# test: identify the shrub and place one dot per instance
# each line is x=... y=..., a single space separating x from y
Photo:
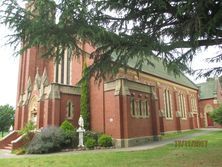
x=105 y=141
x=27 y=130
x=216 y=115
x=70 y=139
x=48 y=140
x=67 y=126
x=70 y=134
x=19 y=151
x=90 y=143
x=90 y=134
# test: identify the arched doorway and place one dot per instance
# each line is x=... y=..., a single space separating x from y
x=209 y=120
x=207 y=110
x=32 y=116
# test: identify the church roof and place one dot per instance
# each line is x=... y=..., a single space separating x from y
x=160 y=71
x=208 y=89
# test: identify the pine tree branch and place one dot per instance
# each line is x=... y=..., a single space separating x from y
x=196 y=44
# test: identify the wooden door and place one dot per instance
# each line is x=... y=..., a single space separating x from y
x=209 y=120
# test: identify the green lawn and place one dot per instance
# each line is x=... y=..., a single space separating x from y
x=167 y=156
x=180 y=134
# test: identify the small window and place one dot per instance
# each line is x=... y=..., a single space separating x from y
x=193 y=104
x=167 y=104
x=137 y=108
x=140 y=108
x=69 y=110
x=146 y=109
x=132 y=106
x=63 y=68
x=182 y=105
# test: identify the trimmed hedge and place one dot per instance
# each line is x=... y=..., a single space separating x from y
x=67 y=126
x=90 y=143
x=70 y=135
x=91 y=134
x=105 y=141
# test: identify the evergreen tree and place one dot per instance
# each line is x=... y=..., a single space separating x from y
x=84 y=101
x=126 y=28
x=6 y=118
x=216 y=115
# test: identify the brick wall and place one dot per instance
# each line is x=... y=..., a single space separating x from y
x=139 y=126
x=97 y=106
x=112 y=114
x=76 y=110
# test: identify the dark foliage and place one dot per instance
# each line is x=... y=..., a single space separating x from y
x=105 y=141
x=27 y=131
x=91 y=134
x=84 y=101
x=90 y=143
x=6 y=118
x=67 y=126
x=70 y=135
x=119 y=29
x=48 y=140
x=216 y=115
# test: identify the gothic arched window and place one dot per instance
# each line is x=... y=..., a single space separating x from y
x=132 y=105
x=167 y=103
x=182 y=105
x=63 y=69
x=69 y=110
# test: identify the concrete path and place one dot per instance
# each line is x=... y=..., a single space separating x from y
x=7 y=153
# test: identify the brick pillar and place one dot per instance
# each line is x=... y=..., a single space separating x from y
x=191 y=119
x=122 y=108
x=161 y=110
x=47 y=113
x=20 y=74
x=162 y=129
x=18 y=114
x=178 y=123
x=118 y=111
x=190 y=116
x=40 y=114
x=56 y=112
x=155 y=115
x=201 y=120
x=23 y=80
x=178 y=115
x=125 y=115
x=24 y=116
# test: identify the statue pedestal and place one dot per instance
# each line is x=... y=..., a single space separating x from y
x=80 y=131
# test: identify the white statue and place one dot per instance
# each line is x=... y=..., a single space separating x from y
x=81 y=122
x=81 y=130
x=11 y=128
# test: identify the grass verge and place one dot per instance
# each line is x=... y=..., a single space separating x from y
x=179 y=134
x=166 y=156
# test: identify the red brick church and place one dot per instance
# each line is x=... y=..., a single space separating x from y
x=133 y=107
x=210 y=97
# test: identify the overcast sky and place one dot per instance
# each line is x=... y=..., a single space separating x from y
x=8 y=71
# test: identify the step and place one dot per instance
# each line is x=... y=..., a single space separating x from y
x=8 y=148
x=9 y=145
